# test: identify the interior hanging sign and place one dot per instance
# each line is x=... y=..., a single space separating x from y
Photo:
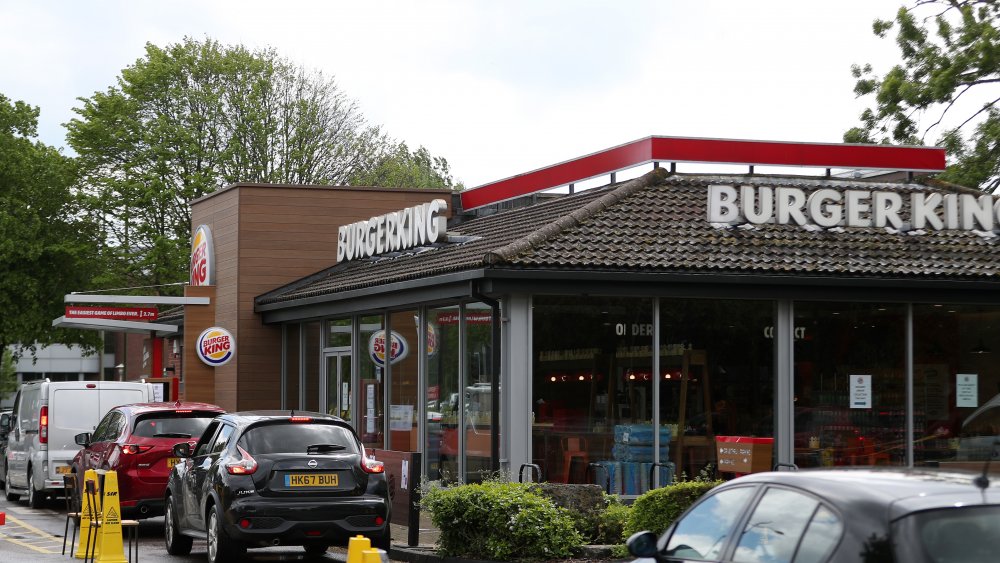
x=400 y=230
x=827 y=207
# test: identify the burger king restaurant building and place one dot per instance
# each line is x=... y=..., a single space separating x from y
x=622 y=333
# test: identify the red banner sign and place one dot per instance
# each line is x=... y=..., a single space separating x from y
x=141 y=314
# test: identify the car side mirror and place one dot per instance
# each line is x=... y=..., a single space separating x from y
x=642 y=544
x=182 y=450
x=83 y=439
x=5 y=424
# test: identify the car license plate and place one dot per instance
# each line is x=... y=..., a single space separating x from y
x=312 y=480
x=172 y=461
x=62 y=469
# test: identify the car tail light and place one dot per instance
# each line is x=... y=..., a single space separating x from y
x=131 y=449
x=43 y=425
x=300 y=419
x=379 y=520
x=245 y=466
x=186 y=411
x=372 y=465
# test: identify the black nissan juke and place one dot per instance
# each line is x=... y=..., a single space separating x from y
x=260 y=479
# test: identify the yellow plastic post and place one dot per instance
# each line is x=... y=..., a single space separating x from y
x=110 y=533
x=375 y=556
x=83 y=548
x=356 y=547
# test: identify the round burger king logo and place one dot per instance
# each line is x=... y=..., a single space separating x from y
x=398 y=348
x=216 y=346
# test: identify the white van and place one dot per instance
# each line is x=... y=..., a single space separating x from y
x=46 y=417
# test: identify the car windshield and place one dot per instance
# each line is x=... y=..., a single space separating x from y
x=970 y=534
x=299 y=438
x=173 y=425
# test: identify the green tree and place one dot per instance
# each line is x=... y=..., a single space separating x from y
x=8 y=373
x=945 y=86
x=48 y=248
x=401 y=168
x=189 y=118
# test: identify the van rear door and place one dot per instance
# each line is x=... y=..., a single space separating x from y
x=78 y=409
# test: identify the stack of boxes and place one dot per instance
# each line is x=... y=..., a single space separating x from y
x=629 y=472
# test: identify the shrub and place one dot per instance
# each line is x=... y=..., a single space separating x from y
x=656 y=510
x=611 y=522
x=501 y=521
x=585 y=504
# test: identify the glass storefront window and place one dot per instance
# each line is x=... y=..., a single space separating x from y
x=592 y=380
x=850 y=384
x=956 y=384
x=718 y=355
x=338 y=368
x=478 y=390
x=403 y=357
x=443 y=396
x=338 y=333
x=370 y=408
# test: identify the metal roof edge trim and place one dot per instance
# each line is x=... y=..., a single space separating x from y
x=723 y=151
x=461 y=276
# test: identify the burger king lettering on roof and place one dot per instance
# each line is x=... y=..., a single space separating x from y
x=400 y=230
x=828 y=207
x=216 y=346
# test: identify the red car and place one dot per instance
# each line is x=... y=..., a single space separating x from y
x=136 y=441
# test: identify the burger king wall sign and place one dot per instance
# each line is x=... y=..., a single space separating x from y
x=216 y=346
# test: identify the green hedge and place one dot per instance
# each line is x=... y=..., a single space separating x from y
x=611 y=523
x=501 y=521
x=656 y=510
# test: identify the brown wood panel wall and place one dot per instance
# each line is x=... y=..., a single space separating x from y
x=268 y=236
x=199 y=378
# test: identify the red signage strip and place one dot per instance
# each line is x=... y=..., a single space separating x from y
x=723 y=151
x=141 y=314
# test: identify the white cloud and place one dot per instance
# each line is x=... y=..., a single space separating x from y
x=498 y=88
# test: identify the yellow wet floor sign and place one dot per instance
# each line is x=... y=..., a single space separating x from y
x=86 y=510
x=111 y=549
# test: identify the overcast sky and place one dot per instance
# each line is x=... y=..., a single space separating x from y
x=497 y=87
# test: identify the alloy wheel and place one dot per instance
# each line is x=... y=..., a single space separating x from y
x=213 y=537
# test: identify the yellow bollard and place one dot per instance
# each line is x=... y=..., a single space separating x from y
x=110 y=532
x=83 y=548
x=375 y=556
x=355 y=548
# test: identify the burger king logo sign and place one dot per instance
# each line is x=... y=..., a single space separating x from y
x=202 y=257
x=216 y=346
x=398 y=348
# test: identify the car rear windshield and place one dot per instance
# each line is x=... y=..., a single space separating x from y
x=173 y=424
x=299 y=438
x=970 y=534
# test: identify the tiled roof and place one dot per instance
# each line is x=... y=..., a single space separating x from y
x=658 y=224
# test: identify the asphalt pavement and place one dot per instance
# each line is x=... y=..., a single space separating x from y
x=36 y=535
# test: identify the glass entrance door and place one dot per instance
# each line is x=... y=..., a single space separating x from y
x=338 y=384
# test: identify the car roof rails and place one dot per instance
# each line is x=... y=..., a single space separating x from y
x=778 y=466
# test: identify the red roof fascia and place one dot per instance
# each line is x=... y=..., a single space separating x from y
x=723 y=151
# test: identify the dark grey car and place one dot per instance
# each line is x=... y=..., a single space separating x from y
x=259 y=479
x=845 y=515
